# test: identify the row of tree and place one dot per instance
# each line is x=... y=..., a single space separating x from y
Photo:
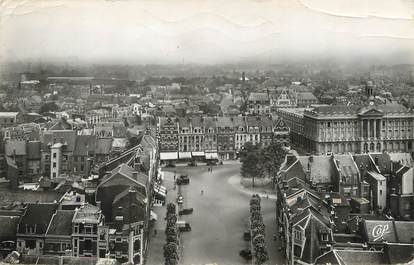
x=171 y=232
x=257 y=230
x=260 y=161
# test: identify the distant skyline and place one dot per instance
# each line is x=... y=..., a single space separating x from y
x=206 y=31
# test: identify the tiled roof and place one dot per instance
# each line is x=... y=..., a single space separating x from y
x=66 y=136
x=8 y=226
x=404 y=158
x=352 y=257
x=87 y=213
x=347 y=166
x=363 y=161
x=321 y=168
x=61 y=223
x=38 y=214
x=306 y=96
x=15 y=147
x=377 y=176
x=209 y=122
x=84 y=144
x=103 y=146
x=139 y=196
x=128 y=172
x=256 y=96
x=383 y=161
x=355 y=109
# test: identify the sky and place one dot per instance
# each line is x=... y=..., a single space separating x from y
x=205 y=31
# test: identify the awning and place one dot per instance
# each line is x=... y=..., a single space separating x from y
x=168 y=156
x=183 y=155
x=197 y=154
x=160 y=189
x=154 y=216
x=211 y=156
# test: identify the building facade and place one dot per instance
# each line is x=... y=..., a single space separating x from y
x=355 y=128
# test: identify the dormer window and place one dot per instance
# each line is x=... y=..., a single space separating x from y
x=324 y=237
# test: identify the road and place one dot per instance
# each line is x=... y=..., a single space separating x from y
x=219 y=219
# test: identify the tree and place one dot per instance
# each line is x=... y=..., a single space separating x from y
x=251 y=161
x=48 y=107
x=273 y=156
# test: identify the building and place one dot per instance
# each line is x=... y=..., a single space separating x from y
x=258 y=103
x=217 y=137
x=168 y=138
x=225 y=138
x=354 y=128
x=32 y=227
x=87 y=239
x=10 y=119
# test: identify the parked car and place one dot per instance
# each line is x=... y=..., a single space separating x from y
x=170 y=165
x=185 y=211
x=180 y=199
x=247 y=236
x=246 y=254
x=192 y=163
x=211 y=162
x=183 y=226
x=183 y=179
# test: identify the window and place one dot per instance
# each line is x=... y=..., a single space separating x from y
x=54 y=155
x=380 y=192
x=324 y=237
x=298 y=235
x=54 y=164
x=329 y=124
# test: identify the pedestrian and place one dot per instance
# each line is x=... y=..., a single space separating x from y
x=202 y=192
x=155 y=232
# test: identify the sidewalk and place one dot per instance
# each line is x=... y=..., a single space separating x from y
x=262 y=192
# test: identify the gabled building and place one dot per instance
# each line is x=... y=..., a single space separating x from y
x=58 y=238
x=258 y=103
x=88 y=232
x=32 y=227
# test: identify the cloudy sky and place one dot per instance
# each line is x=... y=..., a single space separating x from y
x=205 y=31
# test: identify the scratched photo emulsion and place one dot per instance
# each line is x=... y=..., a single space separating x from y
x=206 y=132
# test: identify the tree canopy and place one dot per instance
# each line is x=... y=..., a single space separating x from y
x=258 y=160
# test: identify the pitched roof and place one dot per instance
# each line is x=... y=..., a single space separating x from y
x=87 y=213
x=258 y=96
x=352 y=257
x=389 y=231
x=38 y=214
x=346 y=165
x=404 y=158
x=306 y=96
x=139 y=196
x=8 y=226
x=383 y=162
x=103 y=146
x=15 y=147
x=127 y=172
x=65 y=136
x=84 y=144
x=61 y=223
x=321 y=168
x=376 y=176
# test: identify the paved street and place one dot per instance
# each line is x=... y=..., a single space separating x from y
x=219 y=218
